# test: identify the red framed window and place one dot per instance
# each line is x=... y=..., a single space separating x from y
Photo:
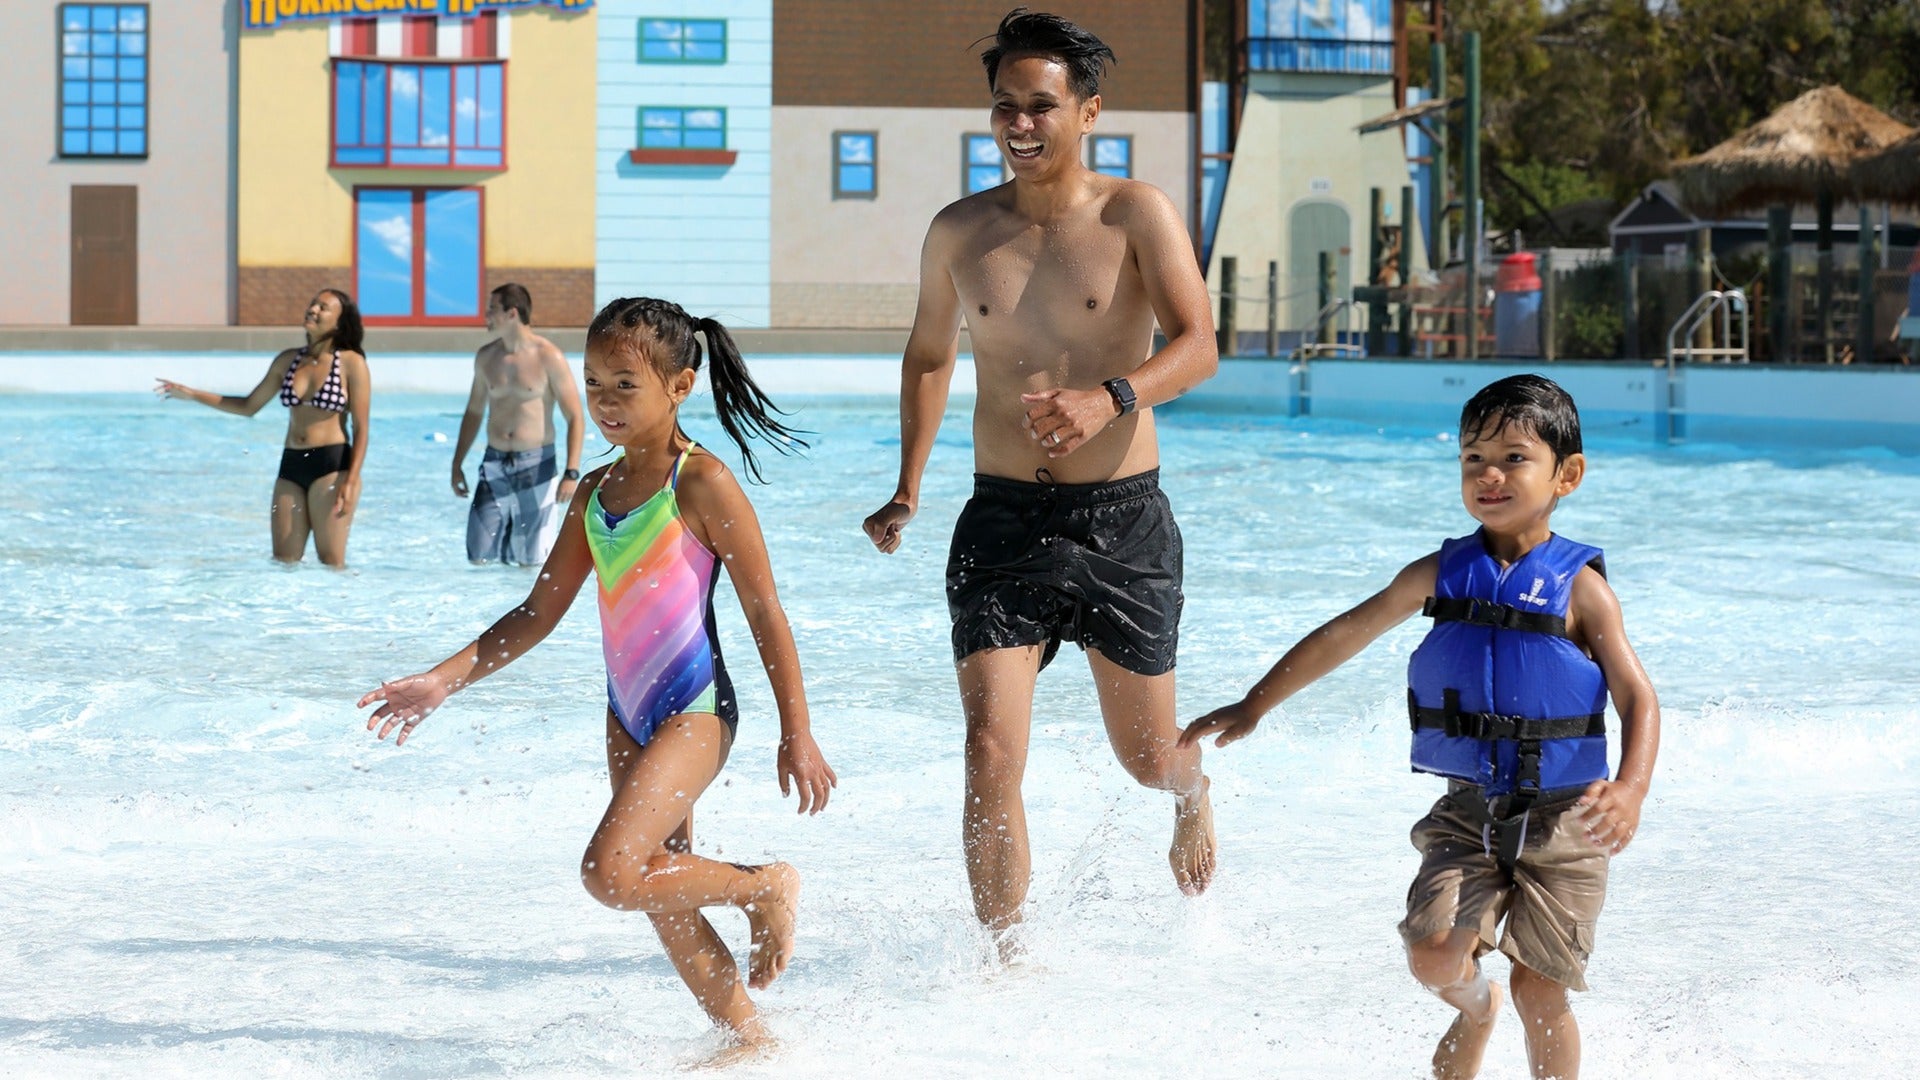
x=427 y=115
x=419 y=255
x=480 y=36
x=359 y=37
x=420 y=36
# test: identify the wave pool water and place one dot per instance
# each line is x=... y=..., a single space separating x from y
x=209 y=868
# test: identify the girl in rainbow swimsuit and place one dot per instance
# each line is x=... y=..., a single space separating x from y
x=654 y=528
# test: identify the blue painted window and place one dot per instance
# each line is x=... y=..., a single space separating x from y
x=683 y=41
x=1113 y=155
x=103 y=80
x=855 y=161
x=983 y=166
x=663 y=128
x=1320 y=35
x=419 y=254
x=418 y=115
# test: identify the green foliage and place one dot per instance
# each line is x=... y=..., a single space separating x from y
x=1588 y=331
x=1599 y=96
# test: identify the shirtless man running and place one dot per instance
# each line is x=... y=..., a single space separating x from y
x=517 y=379
x=1060 y=275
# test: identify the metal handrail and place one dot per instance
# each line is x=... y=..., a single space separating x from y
x=1714 y=301
x=1308 y=349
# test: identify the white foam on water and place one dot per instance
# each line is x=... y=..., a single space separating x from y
x=210 y=868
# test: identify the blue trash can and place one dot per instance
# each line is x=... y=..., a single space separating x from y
x=1516 y=307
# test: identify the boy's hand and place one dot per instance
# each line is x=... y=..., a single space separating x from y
x=801 y=767
x=1234 y=722
x=1610 y=810
x=408 y=701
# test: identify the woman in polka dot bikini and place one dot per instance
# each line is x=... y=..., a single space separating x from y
x=323 y=385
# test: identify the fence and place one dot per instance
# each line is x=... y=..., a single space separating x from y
x=1597 y=304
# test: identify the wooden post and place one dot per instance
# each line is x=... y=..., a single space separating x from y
x=1863 y=335
x=1376 y=255
x=1824 y=268
x=1548 y=346
x=1229 y=322
x=1439 y=194
x=1326 y=332
x=1470 y=185
x=1780 y=282
x=1629 y=304
x=1273 y=307
x=1404 y=264
x=1702 y=280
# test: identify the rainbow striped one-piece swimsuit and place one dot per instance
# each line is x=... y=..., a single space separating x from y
x=656 y=613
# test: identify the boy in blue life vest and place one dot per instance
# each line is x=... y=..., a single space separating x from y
x=1507 y=699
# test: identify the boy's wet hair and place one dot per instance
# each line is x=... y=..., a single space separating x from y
x=1084 y=56
x=349 y=334
x=1534 y=402
x=517 y=299
x=663 y=334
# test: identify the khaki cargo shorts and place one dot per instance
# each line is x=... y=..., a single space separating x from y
x=1550 y=901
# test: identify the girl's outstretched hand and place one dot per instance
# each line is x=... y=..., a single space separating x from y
x=799 y=761
x=1234 y=722
x=408 y=701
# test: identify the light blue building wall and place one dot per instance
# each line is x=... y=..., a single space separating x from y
x=693 y=231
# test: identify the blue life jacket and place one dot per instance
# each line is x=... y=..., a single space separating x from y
x=1498 y=695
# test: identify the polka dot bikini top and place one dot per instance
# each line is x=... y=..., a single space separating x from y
x=331 y=396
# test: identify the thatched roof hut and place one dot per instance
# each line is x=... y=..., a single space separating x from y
x=1805 y=149
x=1892 y=174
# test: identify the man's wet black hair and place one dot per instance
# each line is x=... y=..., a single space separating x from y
x=1534 y=402
x=1084 y=56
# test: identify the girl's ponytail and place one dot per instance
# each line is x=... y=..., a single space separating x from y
x=744 y=409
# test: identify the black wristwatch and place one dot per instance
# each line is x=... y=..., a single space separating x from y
x=1122 y=392
x=570 y=474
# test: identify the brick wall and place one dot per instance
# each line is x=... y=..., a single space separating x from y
x=843 y=305
x=278 y=295
x=562 y=296
x=867 y=52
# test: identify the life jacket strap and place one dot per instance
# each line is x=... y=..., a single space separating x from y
x=1484 y=725
x=1466 y=609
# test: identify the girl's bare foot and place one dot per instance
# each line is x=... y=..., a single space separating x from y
x=751 y=1043
x=1465 y=1043
x=771 y=914
x=1194 y=844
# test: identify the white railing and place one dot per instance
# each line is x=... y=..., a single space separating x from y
x=1721 y=302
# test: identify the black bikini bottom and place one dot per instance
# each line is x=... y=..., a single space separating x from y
x=303 y=467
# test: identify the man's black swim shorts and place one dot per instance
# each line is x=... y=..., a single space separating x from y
x=1042 y=563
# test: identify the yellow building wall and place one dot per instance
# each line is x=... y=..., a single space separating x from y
x=295 y=211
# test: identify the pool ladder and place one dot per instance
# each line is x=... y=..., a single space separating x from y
x=1723 y=303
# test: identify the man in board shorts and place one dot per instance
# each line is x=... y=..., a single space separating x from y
x=518 y=378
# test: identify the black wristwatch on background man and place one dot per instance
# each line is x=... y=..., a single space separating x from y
x=1122 y=392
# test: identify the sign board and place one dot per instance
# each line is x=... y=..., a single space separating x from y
x=263 y=14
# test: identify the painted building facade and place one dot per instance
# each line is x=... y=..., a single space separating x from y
x=683 y=170
x=1301 y=176
x=417 y=153
x=879 y=123
x=118 y=175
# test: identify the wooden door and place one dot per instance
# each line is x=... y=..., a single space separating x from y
x=105 y=281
